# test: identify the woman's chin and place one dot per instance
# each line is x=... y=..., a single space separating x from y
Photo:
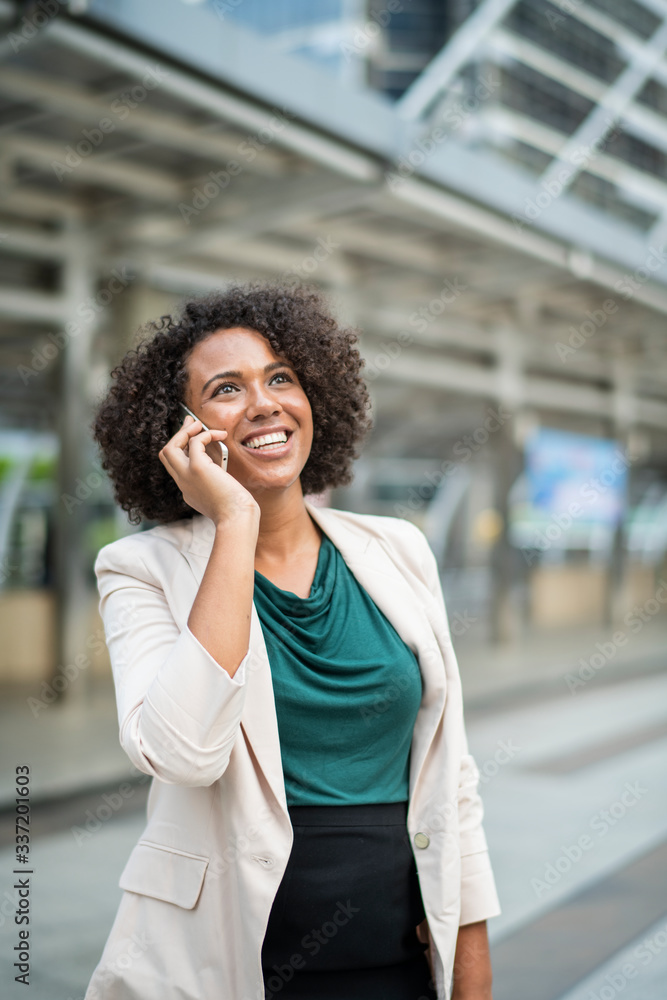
x=271 y=481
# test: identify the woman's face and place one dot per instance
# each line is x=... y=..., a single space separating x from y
x=238 y=384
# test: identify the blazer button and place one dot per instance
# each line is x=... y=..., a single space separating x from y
x=421 y=840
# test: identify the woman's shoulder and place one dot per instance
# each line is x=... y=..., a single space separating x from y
x=139 y=547
x=385 y=528
x=402 y=540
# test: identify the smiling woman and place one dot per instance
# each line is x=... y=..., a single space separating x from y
x=278 y=666
x=183 y=358
x=260 y=404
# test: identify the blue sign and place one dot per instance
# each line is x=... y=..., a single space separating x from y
x=572 y=474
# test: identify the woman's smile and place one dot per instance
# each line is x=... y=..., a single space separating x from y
x=269 y=443
x=239 y=384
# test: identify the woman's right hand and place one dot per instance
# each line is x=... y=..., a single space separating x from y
x=205 y=485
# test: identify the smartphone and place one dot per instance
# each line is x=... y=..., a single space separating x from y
x=223 y=446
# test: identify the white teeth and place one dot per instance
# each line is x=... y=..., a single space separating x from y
x=266 y=439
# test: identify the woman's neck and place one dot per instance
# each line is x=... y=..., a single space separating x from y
x=285 y=528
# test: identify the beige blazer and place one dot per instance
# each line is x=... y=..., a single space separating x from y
x=200 y=883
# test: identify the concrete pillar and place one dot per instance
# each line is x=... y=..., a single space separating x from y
x=73 y=594
x=507 y=568
x=624 y=416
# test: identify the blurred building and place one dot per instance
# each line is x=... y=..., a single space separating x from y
x=480 y=188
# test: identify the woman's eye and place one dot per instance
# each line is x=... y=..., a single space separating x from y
x=221 y=389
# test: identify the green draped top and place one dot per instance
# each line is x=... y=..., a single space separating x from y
x=347 y=688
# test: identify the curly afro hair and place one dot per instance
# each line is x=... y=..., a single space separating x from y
x=140 y=411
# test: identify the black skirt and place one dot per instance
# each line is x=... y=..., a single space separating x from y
x=343 y=923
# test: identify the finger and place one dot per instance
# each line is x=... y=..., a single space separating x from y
x=180 y=439
x=195 y=454
x=175 y=452
x=215 y=435
x=169 y=465
x=191 y=430
x=212 y=448
x=182 y=436
x=198 y=445
x=186 y=430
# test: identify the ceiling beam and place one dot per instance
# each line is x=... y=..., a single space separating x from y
x=434 y=204
x=33 y=203
x=407 y=251
x=334 y=154
x=30 y=242
x=32 y=306
x=155 y=128
x=120 y=175
x=291 y=200
x=542 y=393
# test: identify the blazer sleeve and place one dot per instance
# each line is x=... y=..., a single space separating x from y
x=178 y=710
x=479 y=897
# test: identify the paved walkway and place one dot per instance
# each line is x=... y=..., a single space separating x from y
x=563 y=661
x=578 y=923
x=74 y=745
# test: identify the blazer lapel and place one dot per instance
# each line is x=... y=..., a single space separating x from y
x=390 y=591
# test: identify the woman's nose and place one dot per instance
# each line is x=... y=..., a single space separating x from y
x=262 y=401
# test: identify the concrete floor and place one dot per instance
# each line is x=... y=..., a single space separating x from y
x=595 y=930
x=573 y=907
